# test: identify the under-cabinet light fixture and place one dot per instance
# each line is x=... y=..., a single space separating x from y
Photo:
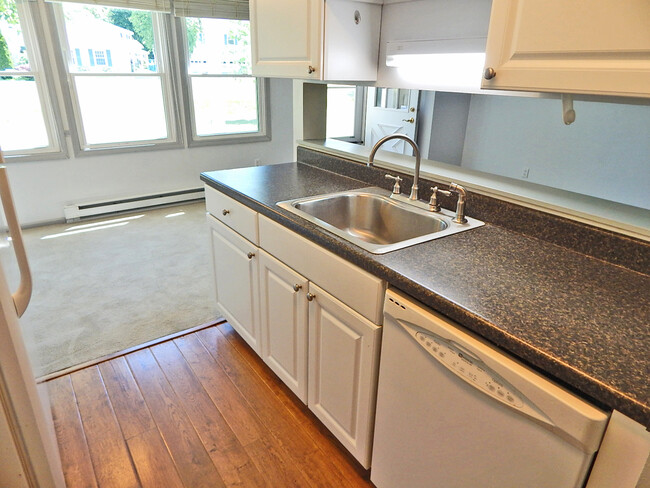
x=440 y=63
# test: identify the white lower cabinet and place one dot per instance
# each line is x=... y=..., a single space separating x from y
x=324 y=351
x=236 y=277
x=343 y=364
x=284 y=315
x=324 y=348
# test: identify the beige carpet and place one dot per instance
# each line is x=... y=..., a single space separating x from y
x=121 y=284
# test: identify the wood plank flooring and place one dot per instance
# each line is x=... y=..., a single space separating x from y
x=201 y=410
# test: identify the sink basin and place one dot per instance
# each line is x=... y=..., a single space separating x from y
x=374 y=221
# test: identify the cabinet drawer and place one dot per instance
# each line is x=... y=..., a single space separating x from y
x=355 y=287
x=235 y=215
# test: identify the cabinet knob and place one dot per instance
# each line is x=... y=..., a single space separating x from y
x=310 y=297
x=251 y=255
x=297 y=287
x=489 y=73
x=410 y=121
x=225 y=212
x=311 y=69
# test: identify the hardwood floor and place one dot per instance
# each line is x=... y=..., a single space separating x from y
x=200 y=410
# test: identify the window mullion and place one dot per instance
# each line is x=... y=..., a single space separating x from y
x=164 y=46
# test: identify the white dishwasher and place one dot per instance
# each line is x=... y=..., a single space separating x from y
x=453 y=412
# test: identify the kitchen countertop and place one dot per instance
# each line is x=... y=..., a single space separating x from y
x=578 y=319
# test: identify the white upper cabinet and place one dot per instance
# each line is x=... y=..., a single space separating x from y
x=600 y=47
x=315 y=39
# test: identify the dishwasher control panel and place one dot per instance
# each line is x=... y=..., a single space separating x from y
x=469 y=367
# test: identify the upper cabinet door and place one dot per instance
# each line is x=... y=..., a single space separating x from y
x=286 y=38
x=594 y=47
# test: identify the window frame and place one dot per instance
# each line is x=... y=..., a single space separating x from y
x=360 y=103
x=41 y=69
x=263 y=103
x=163 y=33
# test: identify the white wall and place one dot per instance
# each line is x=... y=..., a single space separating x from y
x=42 y=188
x=605 y=153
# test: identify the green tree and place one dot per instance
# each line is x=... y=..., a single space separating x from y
x=5 y=55
x=143 y=29
x=121 y=18
x=241 y=32
x=9 y=13
x=194 y=28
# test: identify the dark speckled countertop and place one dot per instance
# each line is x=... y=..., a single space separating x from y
x=581 y=320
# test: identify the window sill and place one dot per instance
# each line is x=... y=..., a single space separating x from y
x=79 y=153
x=32 y=157
x=230 y=139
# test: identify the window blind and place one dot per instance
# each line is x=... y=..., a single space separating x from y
x=155 y=5
x=218 y=9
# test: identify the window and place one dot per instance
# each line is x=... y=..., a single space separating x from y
x=224 y=96
x=345 y=110
x=118 y=74
x=123 y=74
x=27 y=122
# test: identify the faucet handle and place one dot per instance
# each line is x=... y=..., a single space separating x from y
x=396 y=187
x=434 y=205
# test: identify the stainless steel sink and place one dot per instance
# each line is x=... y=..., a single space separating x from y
x=374 y=221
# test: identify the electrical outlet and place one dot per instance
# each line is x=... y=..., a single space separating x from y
x=524 y=173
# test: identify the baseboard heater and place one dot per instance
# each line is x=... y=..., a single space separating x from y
x=79 y=211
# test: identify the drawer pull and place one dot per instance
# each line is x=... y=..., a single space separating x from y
x=251 y=255
x=310 y=297
x=297 y=287
x=225 y=212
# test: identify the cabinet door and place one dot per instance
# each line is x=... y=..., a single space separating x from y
x=595 y=47
x=286 y=38
x=284 y=314
x=343 y=361
x=235 y=264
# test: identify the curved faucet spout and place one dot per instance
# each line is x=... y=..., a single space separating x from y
x=416 y=153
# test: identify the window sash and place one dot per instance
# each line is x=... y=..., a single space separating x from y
x=161 y=40
x=28 y=15
x=263 y=123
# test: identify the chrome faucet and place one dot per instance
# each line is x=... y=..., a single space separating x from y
x=416 y=153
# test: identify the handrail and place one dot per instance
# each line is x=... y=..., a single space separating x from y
x=24 y=292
